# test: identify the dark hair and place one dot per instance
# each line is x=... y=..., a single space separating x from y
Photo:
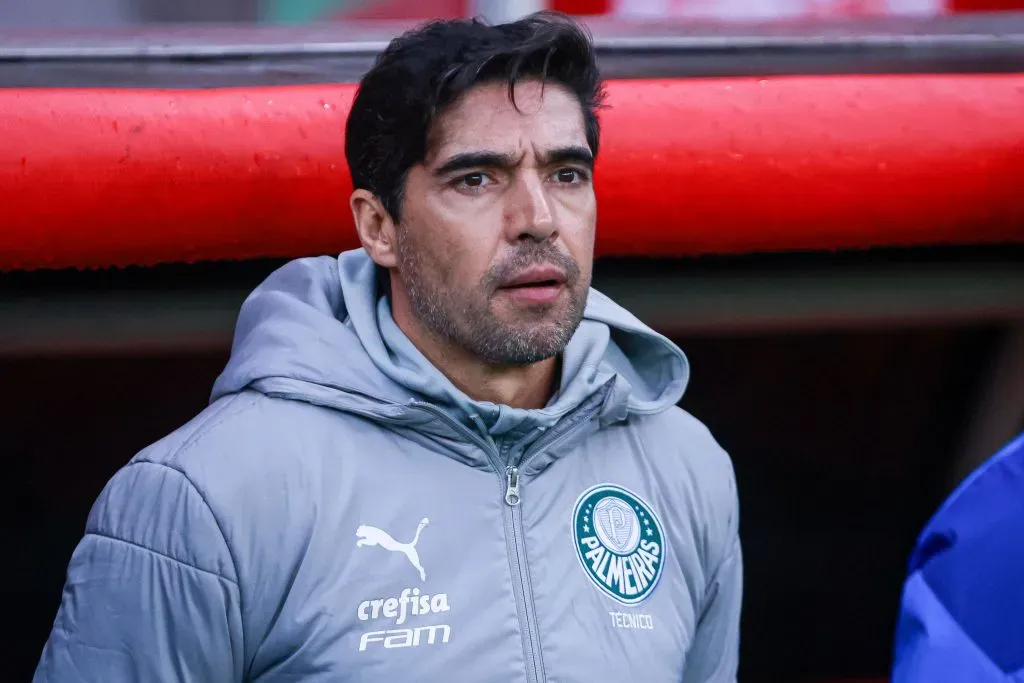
x=426 y=69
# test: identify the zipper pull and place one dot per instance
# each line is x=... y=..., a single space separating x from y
x=512 y=491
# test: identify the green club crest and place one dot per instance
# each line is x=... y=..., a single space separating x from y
x=619 y=542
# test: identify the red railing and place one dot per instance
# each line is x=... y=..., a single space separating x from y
x=93 y=178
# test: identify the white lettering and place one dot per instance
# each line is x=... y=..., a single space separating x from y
x=627 y=574
x=639 y=576
x=651 y=547
x=626 y=620
x=407 y=637
x=446 y=633
x=371 y=637
x=601 y=570
x=415 y=600
x=399 y=609
x=615 y=573
x=398 y=638
x=403 y=605
x=439 y=603
x=648 y=559
x=595 y=556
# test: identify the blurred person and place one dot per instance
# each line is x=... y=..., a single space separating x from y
x=962 y=614
x=442 y=456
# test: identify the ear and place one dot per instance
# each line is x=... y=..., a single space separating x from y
x=375 y=227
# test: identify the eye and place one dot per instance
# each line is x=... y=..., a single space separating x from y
x=569 y=176
x=473 y=181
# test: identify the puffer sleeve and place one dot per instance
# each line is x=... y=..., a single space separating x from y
x=151 y=592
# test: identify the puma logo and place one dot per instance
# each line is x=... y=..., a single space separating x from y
x=369 y=535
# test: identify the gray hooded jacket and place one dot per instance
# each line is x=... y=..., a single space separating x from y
x=341 y=512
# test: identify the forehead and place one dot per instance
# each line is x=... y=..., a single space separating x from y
x=486 y=119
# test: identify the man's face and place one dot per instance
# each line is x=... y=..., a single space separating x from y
x=495 y=246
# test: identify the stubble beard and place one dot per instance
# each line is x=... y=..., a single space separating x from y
x=466 y=319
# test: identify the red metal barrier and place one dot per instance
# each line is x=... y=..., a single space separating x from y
x=98 y=177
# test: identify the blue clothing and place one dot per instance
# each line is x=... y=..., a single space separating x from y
x=342 y=512
x=962 y=617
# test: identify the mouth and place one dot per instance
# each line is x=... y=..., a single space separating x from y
x=538 y=283
x=535 y=285
x=537 y=276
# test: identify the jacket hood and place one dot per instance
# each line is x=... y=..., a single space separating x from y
x=318 y=329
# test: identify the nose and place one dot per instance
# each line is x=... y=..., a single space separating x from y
x=528 y=213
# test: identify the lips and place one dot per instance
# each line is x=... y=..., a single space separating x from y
x=537 y=276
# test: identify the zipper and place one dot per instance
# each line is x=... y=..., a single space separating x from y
x=515 y=545
x=515 y=539
x=512 y=489
x=521 y=584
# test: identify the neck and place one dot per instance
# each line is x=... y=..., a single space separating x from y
x=518 y=386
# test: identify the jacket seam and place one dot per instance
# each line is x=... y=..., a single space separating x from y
x=206 y=504
x=118 y=539
x=219 y=417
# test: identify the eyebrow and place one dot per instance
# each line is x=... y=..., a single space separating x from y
x=467 y=161
x=571 y=154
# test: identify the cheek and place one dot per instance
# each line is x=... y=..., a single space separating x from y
x=459 y=261
x=469 y=266
x=464 y=240
x=578 y=228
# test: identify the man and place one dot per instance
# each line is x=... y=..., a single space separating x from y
x=441 y=457
x=962 y=616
